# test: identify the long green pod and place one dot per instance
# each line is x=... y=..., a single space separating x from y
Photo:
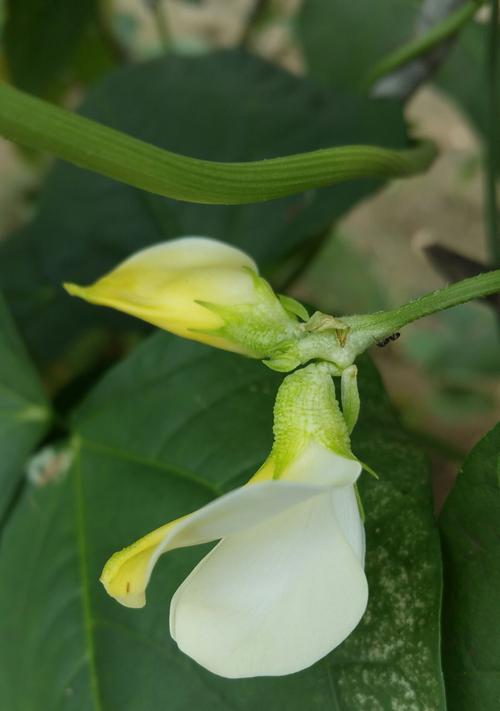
x=38 y=124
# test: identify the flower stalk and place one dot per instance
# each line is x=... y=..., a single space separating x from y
x=443 y=31
x=379 y=325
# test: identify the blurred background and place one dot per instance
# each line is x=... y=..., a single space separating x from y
x=401 y=241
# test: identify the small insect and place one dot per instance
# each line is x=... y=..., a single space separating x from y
x=385 y=341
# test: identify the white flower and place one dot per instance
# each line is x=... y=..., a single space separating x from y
x=285 y=584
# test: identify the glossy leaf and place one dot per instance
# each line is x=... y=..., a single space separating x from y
x=24 y=411
x=167 y=430
x=228 y=107
x=470 y=526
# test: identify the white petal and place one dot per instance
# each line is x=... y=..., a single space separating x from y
x=235 y=512
x=346 y=510
x=189 y=252
x=127 y=573
x=273 y=599
x=319 y=465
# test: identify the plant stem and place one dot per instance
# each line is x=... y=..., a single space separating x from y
x=322 y=339
x=423 y=44
x=162 y=24
x=381 y=324
x=257 y=14
x=37 y=124
x=493 y=137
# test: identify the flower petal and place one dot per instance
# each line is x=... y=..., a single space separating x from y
x=163 y=283
x=274 y=598
x=317 y=464
x=346 y=509
x=126 y=574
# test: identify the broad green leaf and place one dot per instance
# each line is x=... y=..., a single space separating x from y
x=470 y=528
x=167 y=430
x=24 y=411
x=396 y=651
x=41 y=37
x=228 y=107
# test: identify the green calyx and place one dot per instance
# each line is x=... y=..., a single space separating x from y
x=294 y=307
x=260 y=327
x=306 y=410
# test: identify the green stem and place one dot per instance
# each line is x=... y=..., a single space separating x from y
x=323 y=339
x=423 y=44
x=493 y=137
x=37 y=124
x=382 y=324
x=258 y=13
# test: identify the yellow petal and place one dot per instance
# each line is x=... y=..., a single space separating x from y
x=164 y=284
x=125 y=575
x=265 y=473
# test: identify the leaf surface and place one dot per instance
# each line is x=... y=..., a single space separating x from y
x=24 y=410
x=470 y=528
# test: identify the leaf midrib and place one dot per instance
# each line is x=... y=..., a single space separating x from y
x=86 y=603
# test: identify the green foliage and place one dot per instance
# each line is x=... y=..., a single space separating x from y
x=176 y=424
x=470 y=526
x=87 y=223
x=24 y=410
x=332 y=281
x=462 y=76
x=343 y=40
x=41 y=37
x=332 y=60
x=444 y=351
x=169 y=429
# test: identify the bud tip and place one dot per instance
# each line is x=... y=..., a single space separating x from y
x=73 y=289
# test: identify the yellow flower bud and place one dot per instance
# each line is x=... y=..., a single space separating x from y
x=200 y=289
